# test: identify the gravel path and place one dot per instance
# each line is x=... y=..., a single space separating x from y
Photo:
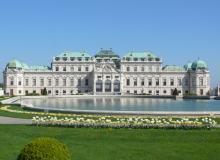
x=9 y=120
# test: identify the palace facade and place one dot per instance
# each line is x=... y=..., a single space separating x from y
x=106 y=73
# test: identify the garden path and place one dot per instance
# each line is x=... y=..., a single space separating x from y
x=9 y=120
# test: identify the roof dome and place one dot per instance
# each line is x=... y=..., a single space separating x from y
x=14 y=64
x=188 y=66
x=199 y=65
x=106 y=53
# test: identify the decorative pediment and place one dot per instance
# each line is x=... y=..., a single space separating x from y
x=106 y=68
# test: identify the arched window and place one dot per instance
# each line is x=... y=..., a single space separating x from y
x=108 y=86
x=99 y=85
x=116 y=86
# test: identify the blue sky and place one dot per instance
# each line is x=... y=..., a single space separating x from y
x=179 y=31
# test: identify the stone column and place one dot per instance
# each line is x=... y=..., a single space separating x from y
x=112 y=86
x=103 y=85
x=94 y=85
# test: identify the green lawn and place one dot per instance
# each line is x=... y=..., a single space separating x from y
x=117 y=144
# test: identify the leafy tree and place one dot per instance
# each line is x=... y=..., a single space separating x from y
x=44 y=91
x=44 y=149
x=175 y=92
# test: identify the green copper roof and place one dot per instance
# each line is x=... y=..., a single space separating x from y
x=188 y=66
x=173 y=68
x=106 y=53
x=73 y=54
x=199 y=64
x=24 y=66
x=14 y=64
x=140 y=55
x=38 y=68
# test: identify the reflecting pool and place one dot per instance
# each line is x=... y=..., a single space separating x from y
x=123 y=104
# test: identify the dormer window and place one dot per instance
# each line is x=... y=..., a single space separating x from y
x=142 y=59
x=157 y=59
x=135 y=59
x=87 y=59
x=79 y=59
x=72 y=58
x=127 y=59
x=65 y=58
x=57 y=58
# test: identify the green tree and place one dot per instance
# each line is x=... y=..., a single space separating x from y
x=175 y=92
x=44 y=91
x=44 y=149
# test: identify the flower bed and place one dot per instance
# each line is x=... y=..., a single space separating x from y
x=124 y=122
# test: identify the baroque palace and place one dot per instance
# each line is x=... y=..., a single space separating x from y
x=106 y=73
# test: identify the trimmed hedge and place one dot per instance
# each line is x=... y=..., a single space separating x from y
x=44 y=149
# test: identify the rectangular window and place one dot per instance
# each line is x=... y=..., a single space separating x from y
x=179 y=82
x=64 y=82
x=12 y=82
x=19 y=83
x=186 y=82
x=135 y=81
x=72 y=69
x=79 y=82
x=201 y=81
x=86 y=82
x=87 y=69
x=142 y=69
x=135 y=69
x=72 y=82
x=64 y=92
x=57 y=68
x=128 y=82
x=34 y=82
x=64 y=69
x=142 y=82
x=49 y=82
x=128 y=69
x=164 y=82
x=41 y=82
x=158 y=69
x=150 y=68
x=26 y=82
x=157 y=82
x=194 y=81
x=149 y=82
x=57 y=82
x=172 y=82
x=79 y=69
